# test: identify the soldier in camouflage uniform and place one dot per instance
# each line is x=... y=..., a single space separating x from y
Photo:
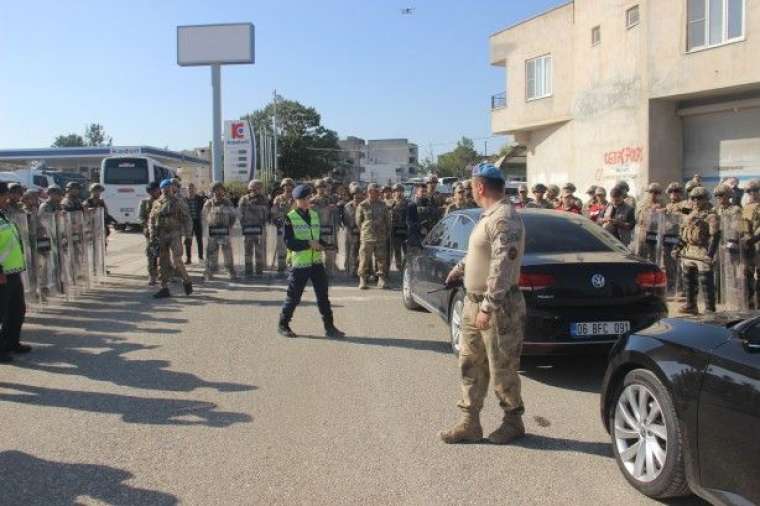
x=539 y=201
x=552 y=195
x=467 y=185
x=46 y=214
x=372 y=219
x=568 y=189
x=348 y=221
x=459 y=200
x=388 y=195
x=219 y=215
x=493 y=318
x=523 y=200
x=426 y=216
x=399 y=209
x=73 y=199
x=327 y=209
x=167 y=222
x=699 y=243
x=146 y=205
x=750 y=240
x=281 y=206
x=730 y=221
x=438 y=201
x=647 y=222
x=675 y=211
x=253 y=210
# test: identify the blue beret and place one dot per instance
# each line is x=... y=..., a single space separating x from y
x=165 y=183
x=301 y=191
x=488 y=171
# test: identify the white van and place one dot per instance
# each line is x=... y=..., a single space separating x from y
x=124 y=179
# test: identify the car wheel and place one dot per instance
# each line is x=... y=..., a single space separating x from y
x=646 y=436
x=455 y=322
x=406 y=291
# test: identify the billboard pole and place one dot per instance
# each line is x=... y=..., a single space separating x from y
x=216 y=90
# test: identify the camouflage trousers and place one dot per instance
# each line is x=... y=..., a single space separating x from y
x=281 y=250
x=369 y=250
x=212 y=255
x=351 y=254
x=254 y=248
x=170 y=260
x=152 y=260
x=492 y=354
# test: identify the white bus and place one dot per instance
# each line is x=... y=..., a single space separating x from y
x=124 y=179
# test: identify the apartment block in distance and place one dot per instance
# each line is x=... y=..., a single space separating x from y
x=651 y=90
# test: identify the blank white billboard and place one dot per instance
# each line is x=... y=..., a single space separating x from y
x=210 y=44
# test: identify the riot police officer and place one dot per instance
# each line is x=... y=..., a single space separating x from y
x=647 y=223
x=731 y=257
x=219 y=215
x=253 y=209
x=73 y=199
x=327 y=209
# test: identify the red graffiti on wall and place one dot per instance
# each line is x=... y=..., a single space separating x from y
x=625 y=155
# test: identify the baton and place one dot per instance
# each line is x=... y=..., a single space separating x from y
x=448 y=286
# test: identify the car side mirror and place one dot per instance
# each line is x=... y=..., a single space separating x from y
x=753 y=344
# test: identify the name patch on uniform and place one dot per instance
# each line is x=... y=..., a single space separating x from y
x=252 y=230
x=218 y=231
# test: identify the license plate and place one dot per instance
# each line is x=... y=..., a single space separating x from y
x=584 y=329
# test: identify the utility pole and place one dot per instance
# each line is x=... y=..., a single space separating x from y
x=485 y=147
x=274 y=129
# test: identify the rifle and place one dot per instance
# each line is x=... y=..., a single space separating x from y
x=448 y=286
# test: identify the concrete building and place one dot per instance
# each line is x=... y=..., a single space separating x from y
x=390 y=161
x=353 y=150
x=608 y=90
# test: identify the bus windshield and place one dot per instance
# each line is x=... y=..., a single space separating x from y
x=128 y=171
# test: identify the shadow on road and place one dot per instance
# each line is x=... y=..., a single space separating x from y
x=581 y=373
x=389 y=342
x=142 y=410
x=30 y=481
x=541 y=442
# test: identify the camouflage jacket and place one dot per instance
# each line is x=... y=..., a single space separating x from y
x=349 y=218
x=456 y=207
x=168 y=218
x=49 y=207
x=219 y=212
x=281 y=206
x=701 y=229
x=398 y=210
x=253 y=209
x=491 y=266
x=543 y=204
x=71 y=204
x=373 y=220
x=329 y=215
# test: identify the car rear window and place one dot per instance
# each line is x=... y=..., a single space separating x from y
x=546 y=233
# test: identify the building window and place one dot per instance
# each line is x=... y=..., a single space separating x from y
x=538 y=72
x=632 y=17
x=711 y=23
x=596 y=35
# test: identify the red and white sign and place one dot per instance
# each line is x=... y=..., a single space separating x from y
x=239 y=151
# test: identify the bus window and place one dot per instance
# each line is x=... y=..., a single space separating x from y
x=41 y=181
x=126 y=171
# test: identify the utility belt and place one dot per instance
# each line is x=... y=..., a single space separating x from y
x=651 y=237
x=252 y=230
x=326 y=229
x=478 y=298
x=218 y=231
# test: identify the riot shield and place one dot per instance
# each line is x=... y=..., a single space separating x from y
x=644 y=242
x=88 y=245
x=328 y=224
x=99 y=245
x=669 y=236
x=28 y=276
x=732 y=269
x=46 y=256
x=252 y=246
x=218 y=240
x=65 y=262
x=79 y=258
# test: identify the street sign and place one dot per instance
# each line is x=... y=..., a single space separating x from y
x=239 y=151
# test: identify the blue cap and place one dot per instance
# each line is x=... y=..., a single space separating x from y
x=301 y=191
x=488 y=171
x=166 y=183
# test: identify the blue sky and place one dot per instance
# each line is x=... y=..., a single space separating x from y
x=370 y=71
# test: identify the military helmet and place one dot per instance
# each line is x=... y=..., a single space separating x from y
x=654 y=188
x=373 y=186
x=522 y=188
x=570 y=187
x=432 y=179
x=690 y=186
x=699 y=192
x=752 y=186
x=217 y=185
x=328 y=180
x=96 y=187
x=674 y=188
x=73 y=185
x=286 y=181
x=253 y=183
x=553 y=188
x=721 y=190
x=600 y=191
x=591 y=190
x=398 y=187
x=387 y=188
x=623 y=186
x=54 y=188
x=15 y=188
x=539 y=188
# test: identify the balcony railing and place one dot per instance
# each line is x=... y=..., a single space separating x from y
x=499 y=101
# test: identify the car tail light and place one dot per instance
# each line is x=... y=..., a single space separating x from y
x=530 y=281
x=652 y=279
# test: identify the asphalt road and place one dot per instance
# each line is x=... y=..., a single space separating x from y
x=196 y=400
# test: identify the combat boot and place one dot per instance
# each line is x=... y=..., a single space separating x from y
x=690 y=290
x=188 y=288
x=381 y=282
x=707 y=285
x=362 y=283
x=162 y=294
x=152 y=281
x=331 y=330
x=511 y=428
x=467 y=431
x=283 y=328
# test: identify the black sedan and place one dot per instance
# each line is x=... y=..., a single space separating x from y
x=583 y=289
x=681 y=401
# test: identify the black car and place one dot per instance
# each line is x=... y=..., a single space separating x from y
x=582 y=287
x=681 y=401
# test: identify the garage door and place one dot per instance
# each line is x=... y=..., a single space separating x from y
x=722 y=144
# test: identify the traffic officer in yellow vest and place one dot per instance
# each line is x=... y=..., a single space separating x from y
x=373 y=220
x=219 y=215
x=493 y=318
x=253 y=209
x=12 y=303
x=302 y=233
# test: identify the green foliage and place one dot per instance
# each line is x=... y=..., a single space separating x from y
x=306 y=148
x=235 y=189
x=68 y=141
x=455 y=163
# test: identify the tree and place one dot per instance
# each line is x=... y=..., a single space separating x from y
x=68 y=141
x=95 y=135
x=306 y=148
x=454 y=163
